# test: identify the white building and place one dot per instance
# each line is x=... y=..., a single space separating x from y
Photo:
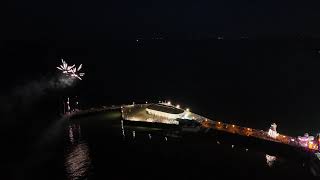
x=165 y=111
x=273 y=131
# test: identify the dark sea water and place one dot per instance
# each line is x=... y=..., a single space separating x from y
x=99 y=147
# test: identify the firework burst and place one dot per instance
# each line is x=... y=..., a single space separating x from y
x=71 y=71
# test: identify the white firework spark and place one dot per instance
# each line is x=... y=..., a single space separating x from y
x=72 y=71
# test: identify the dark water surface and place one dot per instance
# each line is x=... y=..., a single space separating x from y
x=99 y=147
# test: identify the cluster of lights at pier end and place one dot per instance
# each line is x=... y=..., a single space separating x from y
x=176 y=106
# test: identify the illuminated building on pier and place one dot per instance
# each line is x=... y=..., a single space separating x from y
x=166 y=111
x=273 y=131
x=308 y=141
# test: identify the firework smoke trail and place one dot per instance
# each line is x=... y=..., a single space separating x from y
x=19 y=109
x=36 y=89
x=22 y=97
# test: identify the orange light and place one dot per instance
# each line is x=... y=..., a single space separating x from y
x=232 y=125
x=310 y=145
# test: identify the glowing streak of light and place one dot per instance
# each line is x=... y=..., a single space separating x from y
x=71 y=71
x=71 y=135
x=122 y=128
x=78 y=160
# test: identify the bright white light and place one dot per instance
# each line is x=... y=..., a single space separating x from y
x=122 y=128
x=169 y=103
x=178 y=106
x=188 y=110
x=71 y=71
x=273 y=133
x=270 y=160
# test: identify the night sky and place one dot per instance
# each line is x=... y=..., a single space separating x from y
x=60 y=19
x=265 y=69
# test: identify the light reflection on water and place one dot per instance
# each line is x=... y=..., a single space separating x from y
x=77 y=160
x=270 y=160
x=79 y=157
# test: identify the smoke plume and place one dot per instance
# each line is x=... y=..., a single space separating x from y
x=23 y=97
